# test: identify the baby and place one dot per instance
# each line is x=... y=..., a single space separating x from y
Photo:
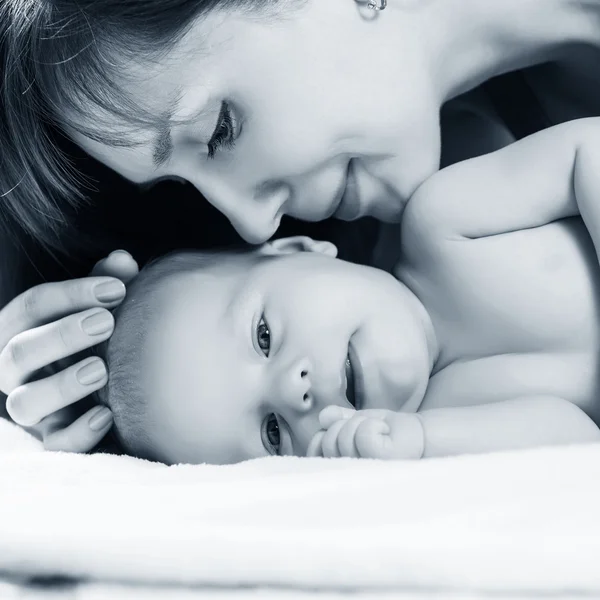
x=485 y=336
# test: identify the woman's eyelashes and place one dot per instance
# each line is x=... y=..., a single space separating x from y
x=224 y=133
x=263 y=336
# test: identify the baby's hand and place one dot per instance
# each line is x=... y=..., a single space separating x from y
x=373 y=433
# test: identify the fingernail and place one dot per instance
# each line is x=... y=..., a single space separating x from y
x=117 y=252
x=100 y=419
x=91 y=373
x=97 y=323
x=109 y=291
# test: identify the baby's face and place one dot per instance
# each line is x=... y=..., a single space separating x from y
x=247 y=353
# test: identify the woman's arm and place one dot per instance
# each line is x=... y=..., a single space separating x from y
x=508 y=425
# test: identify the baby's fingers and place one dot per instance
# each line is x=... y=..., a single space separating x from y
x=400 y=437
x=372 y=439
x=314 y=447
x=331 y=414
x=345 y=439
x=83 y=434
x=329 y=441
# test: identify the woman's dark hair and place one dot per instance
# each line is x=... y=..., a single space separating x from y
x=58 y=58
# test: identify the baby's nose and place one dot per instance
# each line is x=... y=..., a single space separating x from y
x=295 y=388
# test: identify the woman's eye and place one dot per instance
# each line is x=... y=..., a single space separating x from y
x=263 y=336
x=224 y=133
x=272 y=434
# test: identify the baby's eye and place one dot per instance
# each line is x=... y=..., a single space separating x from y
x=263 y=336
x=272 y=434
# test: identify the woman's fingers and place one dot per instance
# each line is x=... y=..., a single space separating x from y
x=50 y=301
x=29 y=404
x=119 y=264
x=31 y=350
x=83 y=434
x=52 y=322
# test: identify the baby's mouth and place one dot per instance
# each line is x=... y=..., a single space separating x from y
x=351 y=394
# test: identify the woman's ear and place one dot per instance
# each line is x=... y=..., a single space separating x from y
x=298 y=243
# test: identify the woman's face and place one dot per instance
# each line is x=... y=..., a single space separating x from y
x=329 y=111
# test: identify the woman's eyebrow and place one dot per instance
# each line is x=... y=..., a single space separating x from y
x=162 y=146
x=162 y=149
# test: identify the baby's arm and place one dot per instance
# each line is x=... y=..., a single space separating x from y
x=530 y=183
x=508 y=425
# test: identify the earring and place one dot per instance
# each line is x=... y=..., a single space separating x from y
x=377 y=4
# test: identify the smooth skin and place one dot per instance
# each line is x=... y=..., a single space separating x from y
x=253 y=347
x=516 y=424
x=486 y=340
x=302 y=141
x=511 y=283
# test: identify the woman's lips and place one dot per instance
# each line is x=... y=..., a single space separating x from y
x=349 y=207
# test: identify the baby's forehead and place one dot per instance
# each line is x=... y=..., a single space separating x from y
x=210 y=277
x=194 y=301
x=197 y=309
x=192 y=357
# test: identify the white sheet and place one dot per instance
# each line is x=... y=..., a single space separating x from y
x=512 y=523
x=108 y=591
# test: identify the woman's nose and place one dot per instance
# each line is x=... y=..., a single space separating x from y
x=295 y=387
x=255 y=226
x=255 y=215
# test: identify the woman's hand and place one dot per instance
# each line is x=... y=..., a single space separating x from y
x=372 y=433
x=47 y=324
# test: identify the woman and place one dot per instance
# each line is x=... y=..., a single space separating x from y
x=296 y=107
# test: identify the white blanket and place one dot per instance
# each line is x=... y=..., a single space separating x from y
x=521 y=522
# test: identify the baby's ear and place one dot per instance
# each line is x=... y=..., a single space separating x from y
x=298 y=243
